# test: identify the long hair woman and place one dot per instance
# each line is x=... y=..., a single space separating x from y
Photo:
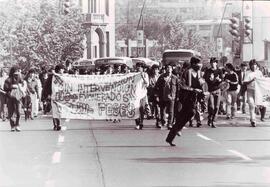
x=13 y=88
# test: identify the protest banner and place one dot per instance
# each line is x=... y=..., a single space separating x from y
x=97 y=97
x=262 y=91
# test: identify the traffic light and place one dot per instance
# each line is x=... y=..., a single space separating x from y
x=248 y=29
x=66 y=7
x=235 y=28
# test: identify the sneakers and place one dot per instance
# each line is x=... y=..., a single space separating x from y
x=57 y=128
x=213 y=126
x=253 y=124
x=139 y=127
x=18 y=129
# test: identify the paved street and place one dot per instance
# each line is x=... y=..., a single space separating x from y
x=105 y=154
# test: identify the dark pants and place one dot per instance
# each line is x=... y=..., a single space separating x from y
x=262 y=111
x=186 y=114
x=167 y=106
x=3 y=102
x=213 y=105
x=14 y=111
x=156 y=111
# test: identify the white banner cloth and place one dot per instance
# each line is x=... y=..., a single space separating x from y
x=97 y=97
x=262 y=91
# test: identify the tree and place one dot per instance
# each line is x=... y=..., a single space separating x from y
x=36 y=34
x=171 y=33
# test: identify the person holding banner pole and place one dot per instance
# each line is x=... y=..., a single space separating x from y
x=143 y=101
x=59 y=69
x=252 y=74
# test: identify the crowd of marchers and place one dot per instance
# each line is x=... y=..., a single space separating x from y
x=30 y=91
x=176 y=94
x=179 y=95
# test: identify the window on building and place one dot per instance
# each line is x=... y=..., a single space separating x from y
x=107 y=7
x=206 y=38
x=93 y=6
x=89 y=6
x=95 y=51
x=266 y=50
x=205 y=27
x=107 y=44
x=183 y=10
x=192 y=27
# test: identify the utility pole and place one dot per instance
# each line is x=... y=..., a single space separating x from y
x=219 y=42
x=127 y=40
x=140 y=32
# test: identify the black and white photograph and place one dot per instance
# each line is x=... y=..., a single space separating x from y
x=134 y=93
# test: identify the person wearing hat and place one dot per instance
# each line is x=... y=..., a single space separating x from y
x=243 y=88
x=249 y=79
x=59 y=69
x=213 y=77
x=189 y=94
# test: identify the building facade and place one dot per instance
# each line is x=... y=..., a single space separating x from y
x=214 y=31
x=259 y=48
x=99 y=19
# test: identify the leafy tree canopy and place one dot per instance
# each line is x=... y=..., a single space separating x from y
x=36 y=34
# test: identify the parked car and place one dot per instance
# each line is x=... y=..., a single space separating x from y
x=113 y=61
x=146 y=61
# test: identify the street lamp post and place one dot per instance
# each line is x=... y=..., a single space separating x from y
x=220 y=38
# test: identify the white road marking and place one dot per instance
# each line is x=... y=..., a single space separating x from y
x=49 y=183
x=63 y=128
x=203 y=137
x=67 y=120
x=244 y=157
x=56 y=158
x=240 y=155
x=61 y=138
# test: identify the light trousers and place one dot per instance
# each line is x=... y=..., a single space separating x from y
x=251 y=104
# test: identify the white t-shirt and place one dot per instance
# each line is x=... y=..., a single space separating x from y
x=251 y=75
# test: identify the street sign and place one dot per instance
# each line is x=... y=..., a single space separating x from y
x=219 y=45
x=140 y=38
